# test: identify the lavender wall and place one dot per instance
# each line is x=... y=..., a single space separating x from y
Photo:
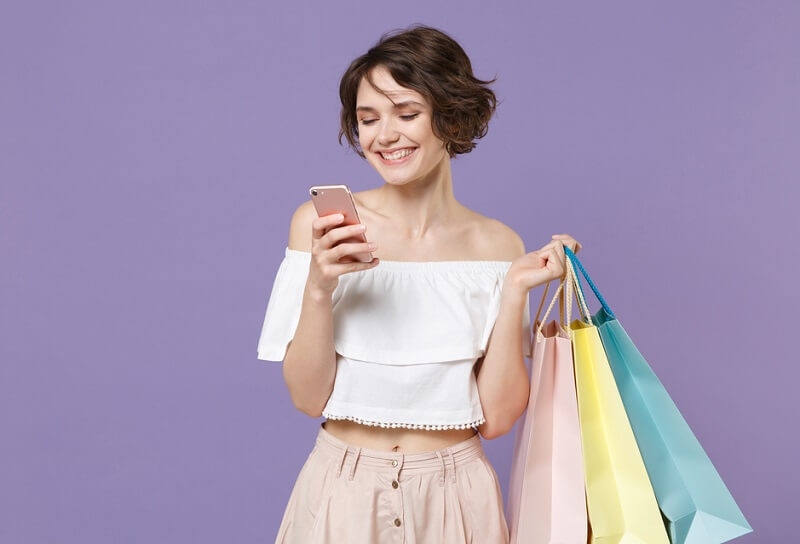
x=151 y=154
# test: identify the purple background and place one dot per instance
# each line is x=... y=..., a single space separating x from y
x=152 y=152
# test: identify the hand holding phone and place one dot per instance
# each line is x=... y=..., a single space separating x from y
x=331 y=199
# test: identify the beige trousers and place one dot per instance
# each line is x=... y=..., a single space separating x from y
x=349 y=495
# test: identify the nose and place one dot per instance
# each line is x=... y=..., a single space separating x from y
x=388 y=132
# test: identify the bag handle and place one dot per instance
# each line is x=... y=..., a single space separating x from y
x=558 y=295
x=573 y=261
x=572 y=281
x=537 y=329
x=541 y=303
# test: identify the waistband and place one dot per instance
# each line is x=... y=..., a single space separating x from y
x=444 y=460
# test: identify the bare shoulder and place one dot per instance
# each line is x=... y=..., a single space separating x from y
x=300 y=228
x=494 y=240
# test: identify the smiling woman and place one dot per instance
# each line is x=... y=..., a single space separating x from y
x=437 y=68
x=411 y=355
x=395 y=131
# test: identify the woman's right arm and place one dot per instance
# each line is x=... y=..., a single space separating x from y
x=309 y=367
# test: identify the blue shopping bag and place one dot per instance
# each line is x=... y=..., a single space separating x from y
x=696 y=505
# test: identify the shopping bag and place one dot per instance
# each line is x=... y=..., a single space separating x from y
x=546 y=498
x=696 y=504
x=621 y=504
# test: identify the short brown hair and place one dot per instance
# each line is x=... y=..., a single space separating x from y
x=432 y=63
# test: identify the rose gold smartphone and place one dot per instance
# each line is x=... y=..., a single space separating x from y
x=330 y=199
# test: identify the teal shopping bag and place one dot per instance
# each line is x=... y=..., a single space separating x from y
x=696 y=504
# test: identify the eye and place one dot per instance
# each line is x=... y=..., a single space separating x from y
x=367 y=121
x=409 y=116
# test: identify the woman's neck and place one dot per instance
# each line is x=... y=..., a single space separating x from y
x=415 y=208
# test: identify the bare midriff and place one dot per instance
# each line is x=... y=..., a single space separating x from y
x=404 y=440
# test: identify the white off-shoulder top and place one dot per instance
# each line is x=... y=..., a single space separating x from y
x=406 y=334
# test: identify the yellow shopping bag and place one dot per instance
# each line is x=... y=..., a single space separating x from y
x=620 y=499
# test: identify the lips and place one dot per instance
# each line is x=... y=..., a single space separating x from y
x=396 y=155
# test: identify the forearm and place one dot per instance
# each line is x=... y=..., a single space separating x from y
x=503 y=382
x=309 y=367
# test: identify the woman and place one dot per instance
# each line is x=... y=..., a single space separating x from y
x=411 y=355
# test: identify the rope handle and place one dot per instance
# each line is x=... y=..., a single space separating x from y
x=573 y=260
x=549 y=308
x=534 y=331
x=583 y=308
x=541 y=302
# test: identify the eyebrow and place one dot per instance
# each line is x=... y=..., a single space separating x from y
x=395 y=106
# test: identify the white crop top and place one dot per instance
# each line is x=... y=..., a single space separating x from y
x=406 y=334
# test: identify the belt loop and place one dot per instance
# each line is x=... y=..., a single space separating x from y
x=400 y=465
x=452 y=465
x=353 y=464
x=441 y=462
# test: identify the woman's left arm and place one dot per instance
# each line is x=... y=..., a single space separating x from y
x=503 y=382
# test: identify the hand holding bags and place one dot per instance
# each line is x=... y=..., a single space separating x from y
x=640 y=455
x=696 y=504
x=546 y=500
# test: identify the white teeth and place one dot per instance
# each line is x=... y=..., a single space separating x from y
x=397 y=154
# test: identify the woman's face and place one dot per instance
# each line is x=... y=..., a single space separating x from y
x=395 y=130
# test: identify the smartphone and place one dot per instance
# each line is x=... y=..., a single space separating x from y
x=330 y=199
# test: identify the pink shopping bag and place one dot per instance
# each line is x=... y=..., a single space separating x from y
x=546 y=497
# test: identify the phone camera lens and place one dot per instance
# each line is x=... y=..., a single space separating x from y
x=314 y=192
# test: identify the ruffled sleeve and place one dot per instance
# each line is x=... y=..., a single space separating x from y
x=283 y=309
x=400 y=313
x=411 y=313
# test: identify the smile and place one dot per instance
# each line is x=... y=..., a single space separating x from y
x=397 y=155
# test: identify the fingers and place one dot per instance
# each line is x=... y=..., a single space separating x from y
x=350 y=251
x=324 y=273
x=552 y=260
x=337 y=235
x=569 y=241
x=536 y=268
x=328 y=232
x=556 y=261
x=330 y=226
x=338 y=249
x=562 y=258
x=323 y=224
x=357 y=266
